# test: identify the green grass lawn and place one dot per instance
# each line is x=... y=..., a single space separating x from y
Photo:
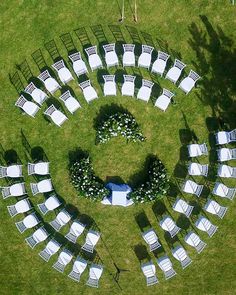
x=202 y=34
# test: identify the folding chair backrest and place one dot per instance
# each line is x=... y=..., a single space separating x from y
x=147 y=83
x=162 y=55
x=147 y=49
x=44 y=76
x=109 y=47
x=232 y=134
x=109 y=78
x=65 y=95
x=167 y=93
x=179 y=64
x=85 y=84
x=30 y=88
x=75 y=56
x=21 y=101
x=58 y=65
x=128 y=47
x=91 y=50
x=129 y=78
x=49 y=111
x=193 y=75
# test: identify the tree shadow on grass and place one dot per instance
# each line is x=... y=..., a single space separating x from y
x=216 y=59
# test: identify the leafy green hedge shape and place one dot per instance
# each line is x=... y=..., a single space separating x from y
x=123 y=124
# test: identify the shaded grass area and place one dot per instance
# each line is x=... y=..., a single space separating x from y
x=206 y=44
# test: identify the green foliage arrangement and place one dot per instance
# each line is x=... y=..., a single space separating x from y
x=85 y=182
x=156 y=186
x=123 y=124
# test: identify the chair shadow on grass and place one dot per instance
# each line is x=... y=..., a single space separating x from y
x=141 y=253
x=68 y=42
x=119 y=39
x=53 y=51
x=16 y=81
x=142 y=221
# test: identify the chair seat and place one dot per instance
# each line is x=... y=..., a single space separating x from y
x=22 y=206
x=95 y=61
x=30 y=108
x=63 y=218
x=162 y=102
x=30 y=221
x=40 y=235
x=41 y=168
x=79 y=67
x=128 y=89
x=52 y=203
x=222 y=137
x=194 y=150
x=51 y=84
x=194 y=169
x=111 y=58
x=173 y=74
x=72 y=104
x=58 y=117
x=65 y=75
x=224 y=154
x=16 y=190
x=129 y=59
x=110 y=88
x=38 y=95
x=186 y=84
x=89 y=93
x=144 y=93
x=45 y=186
x=14 y=171
x=159 y=66
x=145 y=60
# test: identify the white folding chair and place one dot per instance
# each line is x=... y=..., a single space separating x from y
x=145 y=57
x=214 y=208
x=78 y=64
x=226 y=171
x=94 y=60
x=145 y=91
x=75 y=231
x=43 y=186
x=166 y=266
x=40 y=168
x=21 y=206
x=62 y=218
x=174 y=72
x=63 y=72
x=164 y=99
x=29 y=221
x=159 y=64
x=198 y=169
x=128 y=56
x=224 y=191
x=189 y=82
x=50 y=83
x=64 y=259
x=196 y=150
x=224 y=137
x=37 y=94
x=29 y=107
x=13 y=171
x=205 y=225
x=37 y=237
x=51 y=248
x=193 y=240
x=109 y=87
x=226 y=154
x=88 y=91
x=149 y=271
x=151 y=239
x=191 y=187
x=183 y=207
x=95 y=272
x=57 y=116
x=110 y=55
x=79 y=267
x=181 y=255
x=70 y=102
x=49 y=205
x=15 y=190
x=169 y=225
x=92 y=239
x=128 y=85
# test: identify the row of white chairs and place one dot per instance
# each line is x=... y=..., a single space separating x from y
x=128 y=58
x=15 y=171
